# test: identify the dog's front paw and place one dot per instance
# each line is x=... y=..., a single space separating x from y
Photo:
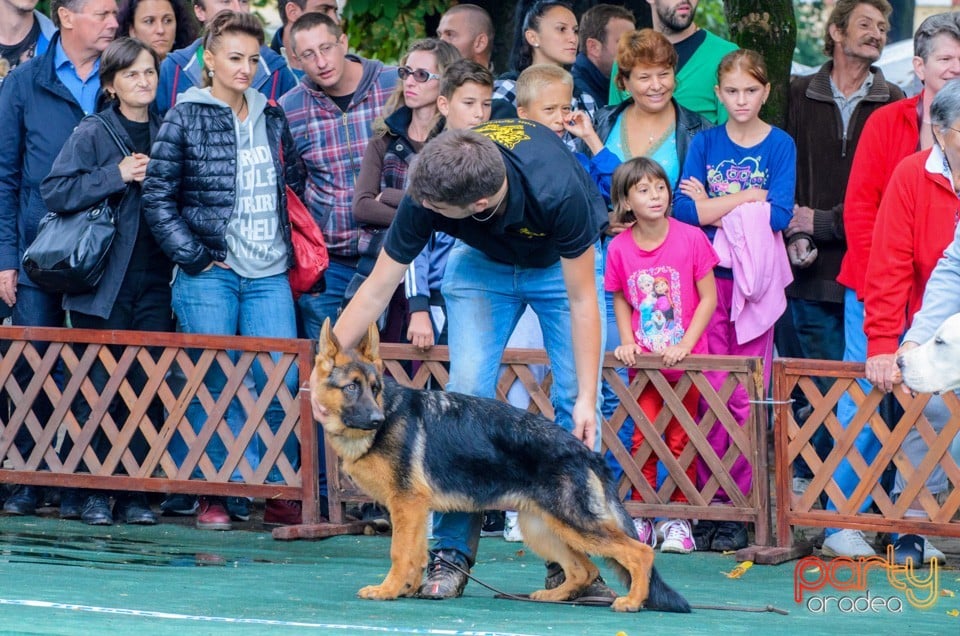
x=624 y=604
x=377 y=593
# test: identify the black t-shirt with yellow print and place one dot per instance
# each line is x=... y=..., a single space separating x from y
x=553 y=208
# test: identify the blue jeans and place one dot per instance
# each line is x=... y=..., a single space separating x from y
x=313 y=310
x=855 y=350
x=485 y=299
x=221 y=302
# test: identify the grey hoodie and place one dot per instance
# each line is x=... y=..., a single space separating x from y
x=255 y=247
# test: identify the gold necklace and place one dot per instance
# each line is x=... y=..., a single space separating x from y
x=491 y=215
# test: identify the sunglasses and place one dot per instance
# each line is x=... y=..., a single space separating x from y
x=420 y=75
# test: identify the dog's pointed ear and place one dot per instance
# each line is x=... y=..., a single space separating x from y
x=328 y=346
x=369 y=346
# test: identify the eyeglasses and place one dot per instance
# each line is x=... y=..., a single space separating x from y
x=420 y=75
x=323 y=51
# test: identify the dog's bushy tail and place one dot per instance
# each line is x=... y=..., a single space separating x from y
x=662 y=597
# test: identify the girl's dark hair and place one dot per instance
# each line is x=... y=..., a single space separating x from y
x=629 y=174
x=186 y=24
x=528 y=16
x=120 y=54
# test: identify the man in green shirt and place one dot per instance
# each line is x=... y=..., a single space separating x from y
x=699 y=53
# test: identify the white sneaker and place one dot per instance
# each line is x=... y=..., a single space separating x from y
x=847 y=543
x=930 y=552
x=511 y=529
x=645 y=531
x=677 y=537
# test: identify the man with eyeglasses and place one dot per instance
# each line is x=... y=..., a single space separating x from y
x=41 y=102
x=290 y=11
x=184 y=68
x=331 y=114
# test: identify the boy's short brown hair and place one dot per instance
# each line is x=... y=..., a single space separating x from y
x=535 y=78
x=462 y=71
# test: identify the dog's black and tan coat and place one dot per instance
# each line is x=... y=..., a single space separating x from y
x=417 y=451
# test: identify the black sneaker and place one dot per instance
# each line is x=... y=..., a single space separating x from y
x=239 y=508
x=179 y=505
x=597 y=593
x=731 y=535
x=133 y=508
x=70 y=502
x=442 y=579
x=703 y=534
x=23 y=501
x=493 y=521
x=96 y=510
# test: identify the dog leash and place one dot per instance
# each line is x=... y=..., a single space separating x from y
x=499 y=594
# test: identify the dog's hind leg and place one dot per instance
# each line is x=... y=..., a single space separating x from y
x=635 y=557
x=408 y=550
x=579 y=571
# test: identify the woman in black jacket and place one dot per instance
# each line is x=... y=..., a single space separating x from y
x=134 y=292
x=215 y=199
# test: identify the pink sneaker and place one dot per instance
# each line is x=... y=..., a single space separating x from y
x=677 y=537
x=645 y=531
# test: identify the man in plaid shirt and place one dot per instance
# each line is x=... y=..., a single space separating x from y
x=331 y=113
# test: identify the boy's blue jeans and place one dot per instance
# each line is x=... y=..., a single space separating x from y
x=484 y=300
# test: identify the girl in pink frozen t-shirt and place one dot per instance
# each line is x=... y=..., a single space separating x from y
x=661 y=275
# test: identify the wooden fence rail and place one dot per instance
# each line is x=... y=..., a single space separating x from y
x=793 y=440
x=127 y=442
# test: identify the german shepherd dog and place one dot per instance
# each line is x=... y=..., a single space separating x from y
x=417 y=451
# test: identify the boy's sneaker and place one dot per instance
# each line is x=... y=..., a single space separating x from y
x=731 y=535
x=645 y=531
x=179 y=505
x=677 y=537
x=930 y=552
x=847 y=543
x=511 y=529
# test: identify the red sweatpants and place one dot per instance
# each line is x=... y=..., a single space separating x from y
x=676 y=438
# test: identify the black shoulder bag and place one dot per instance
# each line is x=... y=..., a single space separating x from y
x=69 y=253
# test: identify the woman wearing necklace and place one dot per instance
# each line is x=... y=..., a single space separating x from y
x=215 y=199
x=650 y=123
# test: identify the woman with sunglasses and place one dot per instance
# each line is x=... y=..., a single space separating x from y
x=410 y=117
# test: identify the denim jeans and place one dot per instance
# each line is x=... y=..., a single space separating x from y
x=313 y=309
x=485 y=299
x=219 y=301
x=854 y=350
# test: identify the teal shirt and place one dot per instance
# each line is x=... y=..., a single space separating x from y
x=695 y=80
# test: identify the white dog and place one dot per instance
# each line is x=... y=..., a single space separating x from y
x=934 y=366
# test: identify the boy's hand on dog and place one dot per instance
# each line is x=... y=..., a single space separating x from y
x=319 y=411
x=882 y=371
x=585 y=421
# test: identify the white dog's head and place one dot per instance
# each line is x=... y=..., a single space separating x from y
x=934 y=366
